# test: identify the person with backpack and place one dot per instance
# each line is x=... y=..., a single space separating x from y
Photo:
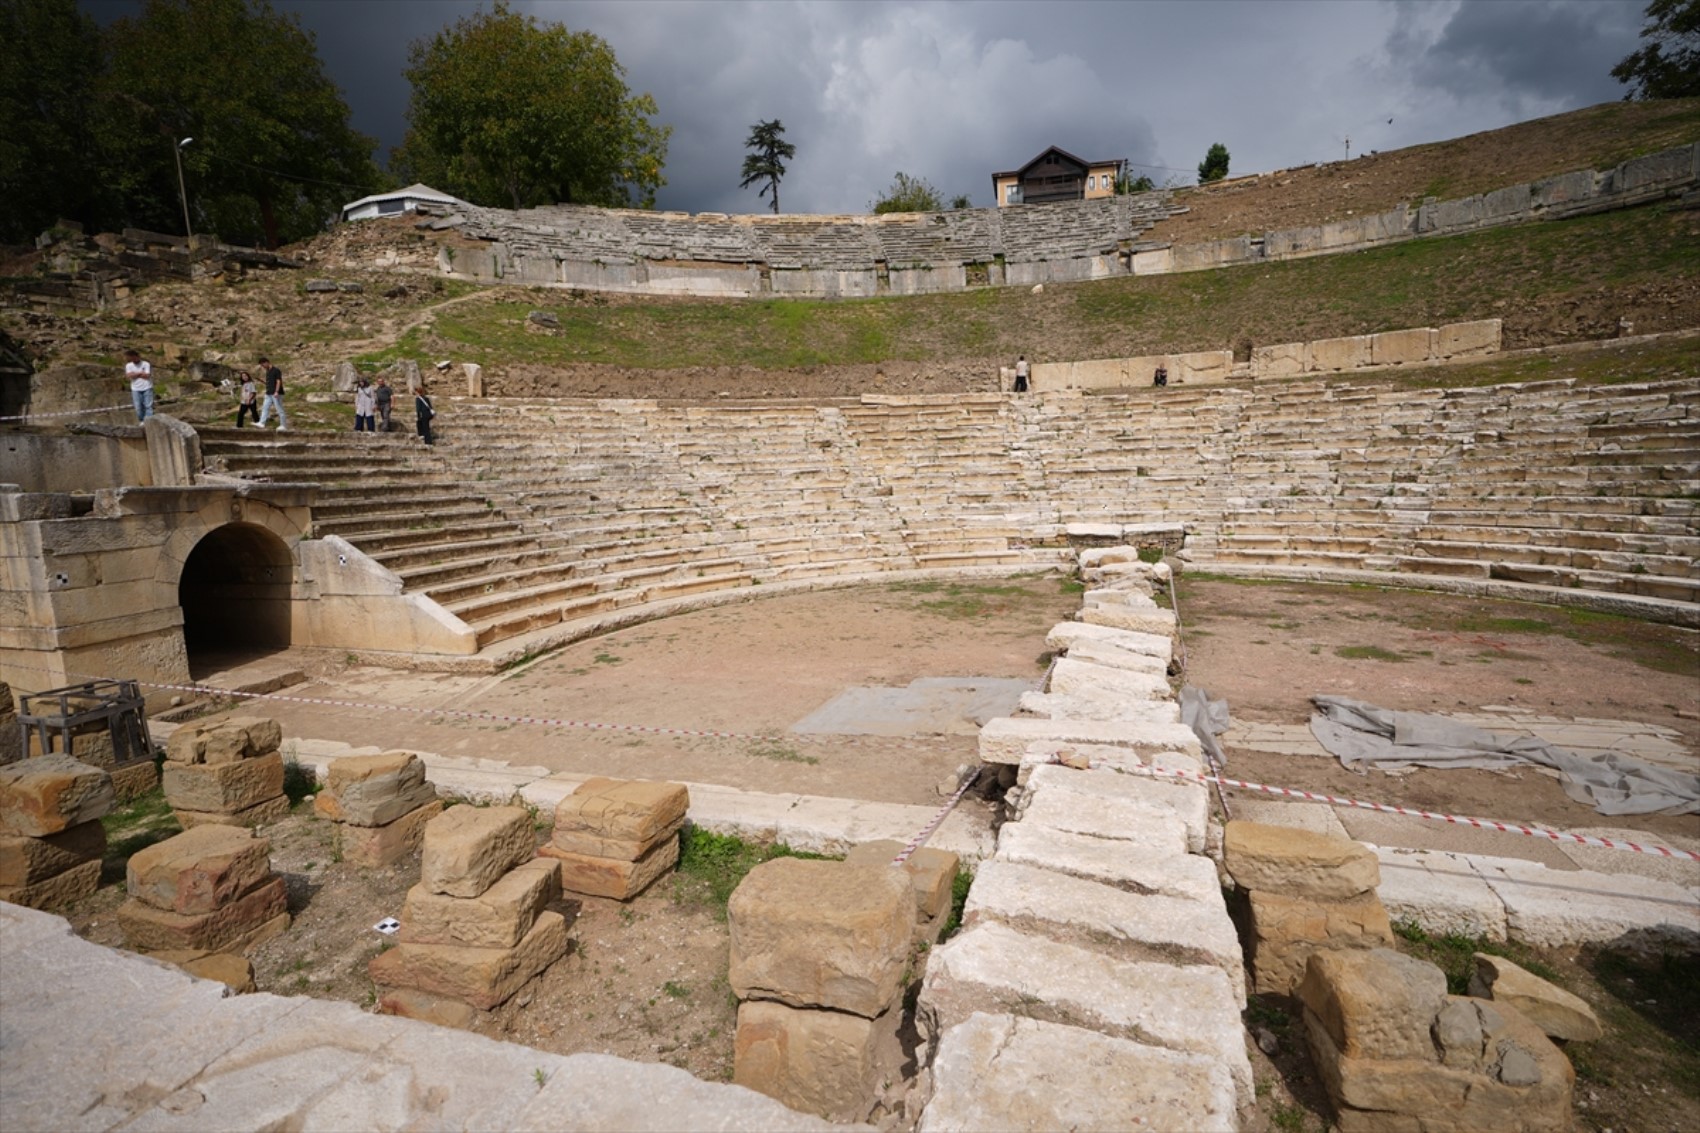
x=422 y=414
x=274 y=395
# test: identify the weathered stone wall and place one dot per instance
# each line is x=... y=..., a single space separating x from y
x=81 y=272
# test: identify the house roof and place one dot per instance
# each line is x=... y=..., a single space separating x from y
x=416 y=192
x=1060 y=152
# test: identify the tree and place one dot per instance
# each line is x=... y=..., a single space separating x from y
x=768 y=162
x=962 y=201
x=1214 y=167
x=1141 y=184
x=48 y=165
x=507 y=111
x=908 y=194
x=1668 y=65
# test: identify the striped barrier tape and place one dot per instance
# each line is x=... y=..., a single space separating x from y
x=927 y=831
x=65 y=413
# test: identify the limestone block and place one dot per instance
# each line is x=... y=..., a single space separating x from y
x=1401 y=347
x=498 y=918
x=1479 y=337
x=1298 y=863
x=1004 y=1072
x=234 y=972
x=1111 y=862
x=482 y=977
x=821 y=934
x=931 y=872
x=1131 y=926
x=1071 y=675
x=1094 y=703
x=1064 y=636
x=467 y=849
x=1374 y=1003
x=1284 y=360
x=1158 y=621
x=373 y=790
x=377 y=846
x=1188 y=801
x=629 y=811
x=592 y=845
x=1100 y=653
x=51 y=793
x=616 y=878
x=257 y=815
x=257 y=915
x=1092 y=557
x=199 y=870
x=1440 y=892
x=25 y=860
x=1201 y=366
x=424 y=1006
x=223 y=788
x=1006 y=739
x=820 y=1062
x=239 y=737
x=1141 y=827
x=57 y=890
x=999 y=971
x=1287 y=930
x=1553 y=908
x=1349 y=353
x=1555 y=1011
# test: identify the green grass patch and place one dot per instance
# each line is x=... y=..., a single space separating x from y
x=1455 y=955
x=958 y=899
x=779 y=752
x=1368 y=653
x=138 y=824
x=711 y=866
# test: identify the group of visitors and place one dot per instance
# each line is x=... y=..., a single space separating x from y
x=250 y=405
x=1159 y=378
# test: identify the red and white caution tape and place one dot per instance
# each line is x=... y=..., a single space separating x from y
x=927 y=831
x=66 y=413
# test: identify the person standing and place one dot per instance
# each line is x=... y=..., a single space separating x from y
x=140 y=374
x=423 y=413
x=1021 y=374
x=384 y=397
x=249 y=405
x=274 y=395
x=364 y=403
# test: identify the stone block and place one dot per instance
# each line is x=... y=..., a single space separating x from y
x=1103 y=653
x=615 y=878
x=931 y=872
x=1402 y=347
x=1108 y=861
x=373 y=790
x=482 y=977
x=1555 y=1011
x=377 y=846
x=56 y=891
x=25 y=860
x=1130 y=926
x=622 y=812
x=223 y=788
x=821 y=934
x=996 y=970
x=1140 y=827
x=1006 y=739
x=199 y=870
x=1374 y=1003
x=1283 y=360
x=1325 y=354
x=592 y=845
x=1064 y=636
x=1188 y=801
x=1440 y=892
x=1005 y=1072
x=1462 y=339
x=51 y=793
x=467 y=849
x=133 y=780
x=820 y=1062
x=234 y=972
x=257 y=915
x=1298 y=863
x=240 y=737
x=498 y=918
x=1072 y=675
x=428 y=1008
x=1158 y=621
x=271 y=810
x=1552 y=908
x=1287 y=930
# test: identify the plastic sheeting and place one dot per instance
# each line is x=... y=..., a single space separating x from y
x=1364 y=736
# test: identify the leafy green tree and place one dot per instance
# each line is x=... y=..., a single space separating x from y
x=1214 y=167
x=510 y=112
x=1141 y=184
x=48 y=165
x=273 y=156
x=962 y=201
x=767 y=163
x=1668 y=64
x=908 y=194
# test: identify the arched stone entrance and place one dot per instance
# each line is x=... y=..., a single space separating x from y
x=235 y=592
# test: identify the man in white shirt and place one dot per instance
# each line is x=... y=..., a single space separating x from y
x=1021 y=374
x=140 y=374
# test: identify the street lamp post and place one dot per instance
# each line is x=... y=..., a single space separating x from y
x=182 y=193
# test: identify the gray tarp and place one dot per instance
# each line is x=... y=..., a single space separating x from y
x=1365 y=736
x=1208 y=719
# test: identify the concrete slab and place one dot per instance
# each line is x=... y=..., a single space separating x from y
x=944 y=706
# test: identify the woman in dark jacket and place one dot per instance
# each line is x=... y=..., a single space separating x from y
x=423 y=413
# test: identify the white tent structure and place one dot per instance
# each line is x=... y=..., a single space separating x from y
x=396 y=201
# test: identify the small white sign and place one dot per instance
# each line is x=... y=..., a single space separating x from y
x=387 y=926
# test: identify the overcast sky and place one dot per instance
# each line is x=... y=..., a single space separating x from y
x=955 y=91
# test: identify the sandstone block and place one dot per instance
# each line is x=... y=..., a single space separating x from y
x=55 y=891
x=51 y=793
x=373 y=790
x=595 y=846
x=1287 y=930
x=199 y=870
x=134 y=780
x=1374 y=1003
x=25 y=860
x=482 y=977
x=226 y=741
x=498 y=918
x=821 y=934
x=1554 y=1010
x=820 y=1062
x=612 y=877
x=223 y=788
x=931 y=872
x=467 y=849
x=259 y=814
x=1004 y=1072
x=411 y=1004
x=377 y=846
x=234 y=972
x=257 y=915
x=631 y=811
x=1298 y=863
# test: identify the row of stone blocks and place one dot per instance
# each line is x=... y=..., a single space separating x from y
x=228 y=773
x=51 y=838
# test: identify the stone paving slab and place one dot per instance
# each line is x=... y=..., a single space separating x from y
x=1141 y=827
x=1440 y=892
x=1005 y=740
x=98 y=1039
x=1097 y=704
x=1125 y=865
x=1556 y=908
x=1189 y=802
